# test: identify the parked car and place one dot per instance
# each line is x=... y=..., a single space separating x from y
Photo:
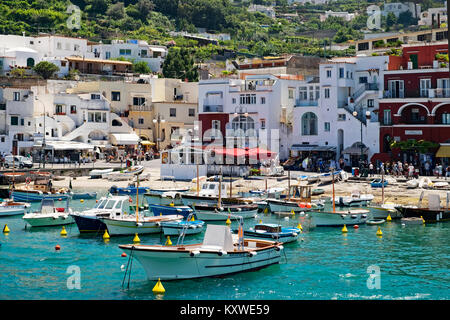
x=18 y=162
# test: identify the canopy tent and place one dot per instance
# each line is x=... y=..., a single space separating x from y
x=444 y=151
x=124 y=139
x=67 y=145
x=312 y=147
x=356 y=149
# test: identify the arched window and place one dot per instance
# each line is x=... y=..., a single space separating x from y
x=30 y=62
x=309 y=124
x=243 y=123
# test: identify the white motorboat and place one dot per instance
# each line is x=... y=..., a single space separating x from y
x=164 y=199
x=176 y=228
x=297 y=200
x=10 y=207
x=222 y=213
x=425 y=183
x=412 y=184
x=313 y=179
x=217 y=255
x=98 y=173
x=339 y=218
x=49 y=215
x=356 y=199
x=127 y=224
x=122 y=175
x=328 y=177
x=88 y=221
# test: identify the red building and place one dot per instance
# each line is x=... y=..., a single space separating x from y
x=416 y=99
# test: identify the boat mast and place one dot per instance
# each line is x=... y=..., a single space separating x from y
x=332 y=179
x=382 y=186
x=231 y=181
x=198 y=186
x=220 y=190
x=289 y=184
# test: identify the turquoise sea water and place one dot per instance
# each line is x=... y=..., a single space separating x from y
x=414 y=263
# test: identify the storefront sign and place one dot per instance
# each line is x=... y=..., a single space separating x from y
x=413 y=132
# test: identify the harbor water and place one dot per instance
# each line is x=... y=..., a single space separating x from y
x=407 y=262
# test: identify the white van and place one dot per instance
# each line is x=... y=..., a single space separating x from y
x=18 y=162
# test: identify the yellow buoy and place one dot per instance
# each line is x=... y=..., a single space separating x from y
x=63 y=231
x=160 y=213
x=136 y=238
x=106 y=235
x=299 y=226
x=379 y=233
x=389 y=218
x=193 y=219
x=423 y=220
x=228 y=221
x=5 y=229
x=81 y=200
x=158 y=288
x=168 y=242
x=293 y=212
x=344 y=229
x=266 y=210
x=172 y=204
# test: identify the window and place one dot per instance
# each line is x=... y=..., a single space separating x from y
x=30 y=62
x=387 y=117
x=138 y=101
x=446 y=118
x=425 y=85
x=215 y=124
x=16 y=96
x=143 y=53
x=191 y=112
x=58 y=45
x=76 y=47
x=14 y=121
x=328 y=73
x=73 y=109
x=107 y=55
x=370 y=103
x=115 y=95
x=263 y=123
x=141 y=120
x=303 y=93
x=291 y=93
x=125 y=52
x=263 y=100
x=326 y=127
x=341 y=72
x=2 y=139
x=173 y=112
x=341 y=117
x=95 y=96
x=233 y=100
x=59 y=109
x=309 y=124
x=327 y=93
x=247 y=99
x=22 y=122
x=362 y=79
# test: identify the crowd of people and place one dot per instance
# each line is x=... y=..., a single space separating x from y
x=408 y=170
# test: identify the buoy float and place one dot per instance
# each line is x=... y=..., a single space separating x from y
x=355 y=226
x=63 y=231
x=158 y=288
x=299 y=226
x=172 y=204
x=423 y=220
x=266 y=210
x=96 y=201
x=344 y=229
x=106 y=235
x=136 y=238
x=123 y=255
x=81 y=200
x=192 y=219
x=5 y=229
x=59 y=199
x=168 y=242
x=389 y=219
x=228 y=221
x=57 y=247
x=379 y=233
x=293 y=212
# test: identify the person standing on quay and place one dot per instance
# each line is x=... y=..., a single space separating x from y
x=371 y=169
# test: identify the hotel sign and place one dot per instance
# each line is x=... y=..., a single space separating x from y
x=413 y=132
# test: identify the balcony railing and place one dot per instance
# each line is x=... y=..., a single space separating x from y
x=213 y=108
x=419 y=93
x=441 y=92
x=364 y=88
x=395 y=95
x=306 y=103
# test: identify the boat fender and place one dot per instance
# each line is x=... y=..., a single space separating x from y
x=278 y=248
x=194 y=253
x=178 y=210
x=138 y=224
x=273 y=236
x=364 y=215
x=158 y=224
x=222 y=253
x=239 y=209
x=221 y=208
x=252 y=253
x=354 y=216
x=294 y=234
x=343 y=216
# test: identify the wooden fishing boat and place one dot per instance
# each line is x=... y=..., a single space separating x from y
x=176 y=228
x=377 y=183
x=222 y=213
x=431 y=214
x=38 y=191
x=130 y=224
x=98 y=173
x=10 y=207
x=375 y=221
x=275 y=232
x=339 y=218
x=217 y=255
x=297 y=200
x=83 y=195
x=356 y=199
x=327 y=177
x=159 y=210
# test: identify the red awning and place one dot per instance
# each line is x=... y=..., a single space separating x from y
x=260 y=153
x=231 y=152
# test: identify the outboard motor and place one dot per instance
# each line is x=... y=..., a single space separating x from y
x=113 y=189
x=341 y=201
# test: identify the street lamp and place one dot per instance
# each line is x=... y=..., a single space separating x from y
x=140 y=117
x=355 y=114
x=158 y=121
x=43 y=140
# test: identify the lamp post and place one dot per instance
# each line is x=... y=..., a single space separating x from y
x=43 y=139
x=158 y=122
x=355 y=114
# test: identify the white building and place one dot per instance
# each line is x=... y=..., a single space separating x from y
x=344 y=15
x=268 y=11
x=398 y=7
x=138 y=50
x=435 y=16
x=346 y=85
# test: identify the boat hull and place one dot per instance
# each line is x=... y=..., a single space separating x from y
x=84 y=195
x=429 y=215
x=212 y=215
x=283 y=237
x=12 y=210
x=50 y=221
x=149 y=225
x=338 y=219
x=379 y=212
x=89 y=224
x=32 y=197
x=174 y=229
x=165 y=265
x=157 y=210
x=286 y=206
x=157 y=199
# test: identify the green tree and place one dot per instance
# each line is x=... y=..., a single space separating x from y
x=180 y=64
x=141 y=67
x=45 y=69
x=391 y=20
x=116 y=11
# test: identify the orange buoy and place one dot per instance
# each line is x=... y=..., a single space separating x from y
x=57 y=247
x=59 y=199
x=302 y=205
x=308 y=205
x=124 y=254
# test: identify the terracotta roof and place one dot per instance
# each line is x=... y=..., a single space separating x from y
x=98 y=60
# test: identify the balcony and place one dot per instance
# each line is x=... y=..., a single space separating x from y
x=441 y=92
x=419 y=93
x=365 y=87
x=393 y=95
x=139 y=108
x=306 y=103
